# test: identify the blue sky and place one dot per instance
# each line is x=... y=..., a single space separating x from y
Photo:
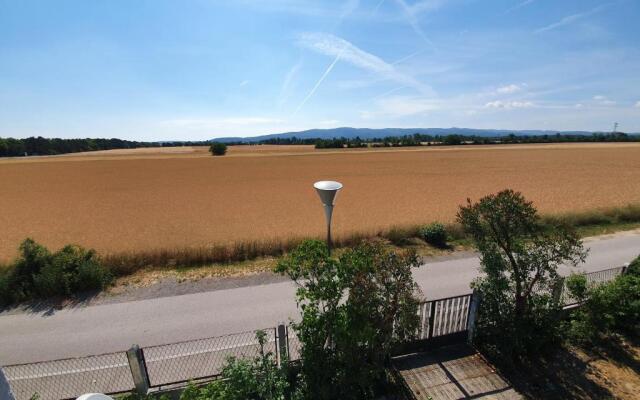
x=160 y=70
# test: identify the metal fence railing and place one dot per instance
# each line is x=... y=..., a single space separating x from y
x=443 y=316
x=203 y=359
x=593 y=279
x=63 y=379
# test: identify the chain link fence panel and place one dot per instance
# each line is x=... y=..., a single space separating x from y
x=69 y=378
x=202 y=358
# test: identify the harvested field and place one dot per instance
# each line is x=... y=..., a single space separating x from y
x=141 y=199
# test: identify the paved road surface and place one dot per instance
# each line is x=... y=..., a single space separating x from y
x=73 y=332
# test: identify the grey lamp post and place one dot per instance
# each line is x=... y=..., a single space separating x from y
x=327 y=190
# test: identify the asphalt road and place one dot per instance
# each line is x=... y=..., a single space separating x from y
x=74 y=332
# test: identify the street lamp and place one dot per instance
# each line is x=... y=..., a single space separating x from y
x=327 y=190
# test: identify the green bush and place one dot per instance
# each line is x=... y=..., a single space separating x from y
x=354 y=311
x=218 y=149
x=435 y=234
x=259 y=379
x=607 y=308
x=39 y=273
x=577 y=286
x=634 y=267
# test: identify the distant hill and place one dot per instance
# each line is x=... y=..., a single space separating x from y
x=367 y=133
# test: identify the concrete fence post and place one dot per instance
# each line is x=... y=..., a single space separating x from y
x=558 y=288
x=625 y=268
x=138 y=369
x=283 y=343
x=473 y=315
x=5 y=388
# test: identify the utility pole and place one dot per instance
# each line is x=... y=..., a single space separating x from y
x=615 y=127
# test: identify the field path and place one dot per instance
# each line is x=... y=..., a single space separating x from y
x=72 y=332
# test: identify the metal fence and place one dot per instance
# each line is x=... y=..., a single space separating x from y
x=68 y=378
x=444 y=316
x=593 y=279
x=203 y=359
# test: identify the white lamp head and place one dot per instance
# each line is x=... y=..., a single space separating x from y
x=94 y=396
x=327 y=190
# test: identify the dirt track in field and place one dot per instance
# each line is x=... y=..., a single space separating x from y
x=141 y=199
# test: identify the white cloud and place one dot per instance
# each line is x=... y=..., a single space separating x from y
x=287 y=83
x=244 y=83
x=508 y=89
x=509 y=104
x=422 y=6
x=579 y=105
x=637 y=105
x=412 y=11
x=341 y=49
x=518 y=6
x=572 y=18
x=603 y=100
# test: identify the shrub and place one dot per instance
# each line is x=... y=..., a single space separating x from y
x=577 y=286
x=519 y=260
x=634 y=267
x=70 y=270
x=5 y=287
x=435 y=234
x=258 y=379
x=610 y=307
x=354 y=311
x=40 y=273
x=218 y=149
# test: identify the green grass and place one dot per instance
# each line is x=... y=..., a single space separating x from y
x=590 y=223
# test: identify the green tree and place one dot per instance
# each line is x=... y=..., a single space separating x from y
x=218 y=149
x=519 y=258
x=355 y=309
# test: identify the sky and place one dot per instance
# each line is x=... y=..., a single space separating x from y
x=200 y=69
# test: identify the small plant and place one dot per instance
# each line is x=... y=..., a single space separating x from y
x=577 y=287
x=434 y=234
x=399 y=236
x=218 y=149
x=241 y=379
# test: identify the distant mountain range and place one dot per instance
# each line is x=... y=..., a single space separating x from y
x=367 y=133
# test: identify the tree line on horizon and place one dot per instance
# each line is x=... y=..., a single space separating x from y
x=40 y=146
x=454 y=140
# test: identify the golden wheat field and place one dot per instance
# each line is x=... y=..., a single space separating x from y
x=147 y=199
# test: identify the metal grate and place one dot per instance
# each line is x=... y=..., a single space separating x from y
x=203 y=358
x=69 y=378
